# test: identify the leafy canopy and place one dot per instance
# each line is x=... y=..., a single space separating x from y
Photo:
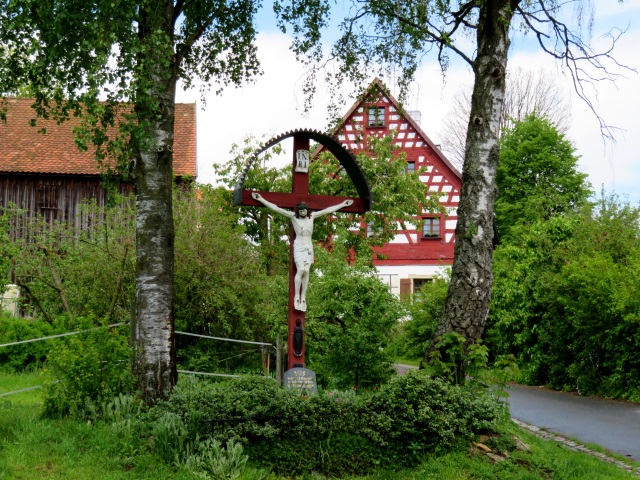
x=537 y=175
x=565 y=300
x=69 y=54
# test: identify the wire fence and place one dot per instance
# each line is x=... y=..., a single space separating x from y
x=20 y=391
x=61 y=335
x=188 y=372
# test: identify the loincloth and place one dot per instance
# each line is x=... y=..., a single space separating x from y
x=303 y=253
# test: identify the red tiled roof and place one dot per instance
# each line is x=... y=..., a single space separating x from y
x=24 y=150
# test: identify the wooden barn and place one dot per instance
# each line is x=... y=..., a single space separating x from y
x=47 y=174
x=414 y=256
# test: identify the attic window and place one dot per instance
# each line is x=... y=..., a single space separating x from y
x=375 y=116
x=411 y=167
x=431 y=227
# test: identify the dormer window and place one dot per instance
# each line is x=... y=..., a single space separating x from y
x=376 y=116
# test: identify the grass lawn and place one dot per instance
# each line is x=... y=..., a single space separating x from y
x=12 y=383
x=35 y=448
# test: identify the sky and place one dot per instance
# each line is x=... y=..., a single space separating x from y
x=274 y=102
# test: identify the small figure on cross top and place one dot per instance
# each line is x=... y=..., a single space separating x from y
x=302 y=221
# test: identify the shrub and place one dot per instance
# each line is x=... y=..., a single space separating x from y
x=424 y=311
x=93 y=365
x=349 y=322
x=566 y=301
x=333 y=433
x=18 y=357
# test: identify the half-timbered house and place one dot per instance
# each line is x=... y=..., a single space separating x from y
x=417 y=255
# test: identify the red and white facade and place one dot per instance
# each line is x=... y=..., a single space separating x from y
x=416 y=255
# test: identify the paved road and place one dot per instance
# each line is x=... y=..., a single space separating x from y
x=611 y=424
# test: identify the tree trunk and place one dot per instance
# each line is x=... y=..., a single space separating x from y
x=155 y=363
x=155 y=355
x=467 y=303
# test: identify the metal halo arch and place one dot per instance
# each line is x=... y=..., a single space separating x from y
x=346 y=159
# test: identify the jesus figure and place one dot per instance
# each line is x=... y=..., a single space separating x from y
x=302 y=221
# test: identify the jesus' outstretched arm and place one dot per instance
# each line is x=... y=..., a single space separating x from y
x=332 y=209
x=272 y=206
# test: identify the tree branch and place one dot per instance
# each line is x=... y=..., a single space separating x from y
x=434 y=34
x=57 y=283
x=35 y=300
x=574 y=54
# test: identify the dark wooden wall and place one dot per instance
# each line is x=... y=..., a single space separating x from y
x=54 y=197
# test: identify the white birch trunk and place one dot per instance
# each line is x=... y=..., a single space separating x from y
x=467 y=303
x=154 y=312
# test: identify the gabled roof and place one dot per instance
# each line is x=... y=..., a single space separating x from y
x=377 y=84
x=24 y=150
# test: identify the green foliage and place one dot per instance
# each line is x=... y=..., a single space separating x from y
x=333 y=433
x=5 y=239
x=351 y=313
x=18 y=357
x=221 y=289
x=121 y=415
x=349 y=321
x=96 y=447
x=118 y=410
x=453 y=358
x=217 y=462
x=79 y=274
x=424 y=311
x=537 y=175
x=263 y=228
x=398 y=196
x=565 y=301
x=93 y=366
x=121 y=51
x=171 y=439
x=116 y=66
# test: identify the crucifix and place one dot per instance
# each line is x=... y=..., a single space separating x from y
x=304 y=208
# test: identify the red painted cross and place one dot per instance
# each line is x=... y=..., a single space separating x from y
x=300 y=193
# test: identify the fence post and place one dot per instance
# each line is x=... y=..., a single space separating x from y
x=133 y=341
x=279 y=359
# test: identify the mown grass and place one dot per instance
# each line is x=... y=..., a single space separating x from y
x=11 y=383
x=36 y=448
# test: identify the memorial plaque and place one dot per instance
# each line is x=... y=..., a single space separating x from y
x=301 y=380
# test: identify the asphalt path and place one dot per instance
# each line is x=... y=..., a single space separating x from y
x=611 y=424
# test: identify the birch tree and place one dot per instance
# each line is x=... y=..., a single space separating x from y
x=70 y=54
x=381 y=35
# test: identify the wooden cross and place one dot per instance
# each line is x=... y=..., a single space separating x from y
x=300 y=193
